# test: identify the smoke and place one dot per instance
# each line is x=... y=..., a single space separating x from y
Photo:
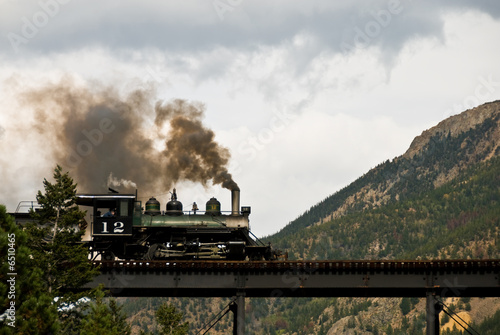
x=105 y=138
x=191 y=151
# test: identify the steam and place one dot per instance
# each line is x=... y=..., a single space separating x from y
x=115 y=182
x=107 y=139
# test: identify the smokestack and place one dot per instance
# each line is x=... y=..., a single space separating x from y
x=235 y=202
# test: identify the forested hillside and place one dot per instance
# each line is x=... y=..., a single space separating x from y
x=438 y=155
x=459 y=219
x=441 y=199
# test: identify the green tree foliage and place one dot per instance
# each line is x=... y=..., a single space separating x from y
x=401 y=179
x=451 y=216
x=32 y=307
x=55 y=238
x=405 y=306
x=105 y=318
x=49 y=261
x=170 y=321
x=59 y=203
x=58 y=261
x=414 y=214
x=489 y=326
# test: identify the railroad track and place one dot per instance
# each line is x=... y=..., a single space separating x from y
x=322 y=265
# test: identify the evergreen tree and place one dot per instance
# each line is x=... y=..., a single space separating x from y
x=26 y=306
x=105 y=318
x=55 y=238
x=170 y=321
x=405 y=306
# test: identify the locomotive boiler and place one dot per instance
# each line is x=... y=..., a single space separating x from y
x=128 y=232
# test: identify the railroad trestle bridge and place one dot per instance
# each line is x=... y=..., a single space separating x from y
x=432 y=279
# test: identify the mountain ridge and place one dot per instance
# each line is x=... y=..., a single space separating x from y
x=439 y=199
x=375 y=188
x=455 y=125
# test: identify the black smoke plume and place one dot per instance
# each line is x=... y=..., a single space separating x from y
x=105 y=138
x=191 y=151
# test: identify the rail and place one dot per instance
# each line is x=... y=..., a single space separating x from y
x=320 y=265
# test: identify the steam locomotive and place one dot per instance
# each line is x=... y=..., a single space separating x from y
x=129 y=233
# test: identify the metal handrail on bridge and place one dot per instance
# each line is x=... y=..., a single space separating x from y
x=33 y=205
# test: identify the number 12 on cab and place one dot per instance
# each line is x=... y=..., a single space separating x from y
x=112 y=226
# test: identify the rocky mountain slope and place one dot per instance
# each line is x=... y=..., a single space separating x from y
x=440 y=199
x=435 y=157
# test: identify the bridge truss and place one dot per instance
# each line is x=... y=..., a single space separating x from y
x=432 y=279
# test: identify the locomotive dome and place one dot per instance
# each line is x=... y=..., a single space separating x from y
x=174 y=207
x=213 y=207
x=152 y=207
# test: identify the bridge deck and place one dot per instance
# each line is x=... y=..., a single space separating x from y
x=388 y=278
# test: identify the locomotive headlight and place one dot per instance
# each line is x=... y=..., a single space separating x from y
x=245 y=210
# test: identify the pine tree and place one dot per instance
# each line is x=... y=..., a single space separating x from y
x=105 y=318
x=56 y=236
x=54 y=239
x=29 y=308
x=405 y=306
x=170 y=321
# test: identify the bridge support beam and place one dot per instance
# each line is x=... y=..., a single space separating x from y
x=238 y=310
x=433 y=308
x=240 y=279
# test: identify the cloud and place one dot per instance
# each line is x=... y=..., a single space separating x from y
x=283 y=172
x=301 y=114
x=51 y=26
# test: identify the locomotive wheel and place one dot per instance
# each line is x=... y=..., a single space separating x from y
x=150 y=254
x=108 y=256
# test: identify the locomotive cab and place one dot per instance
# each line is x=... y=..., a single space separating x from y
x=112 y=214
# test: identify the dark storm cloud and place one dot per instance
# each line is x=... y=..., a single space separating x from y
x=195 y=27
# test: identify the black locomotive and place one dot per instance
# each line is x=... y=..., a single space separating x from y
x=127 y=232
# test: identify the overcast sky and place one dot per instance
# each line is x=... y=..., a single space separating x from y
x=306 y=95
